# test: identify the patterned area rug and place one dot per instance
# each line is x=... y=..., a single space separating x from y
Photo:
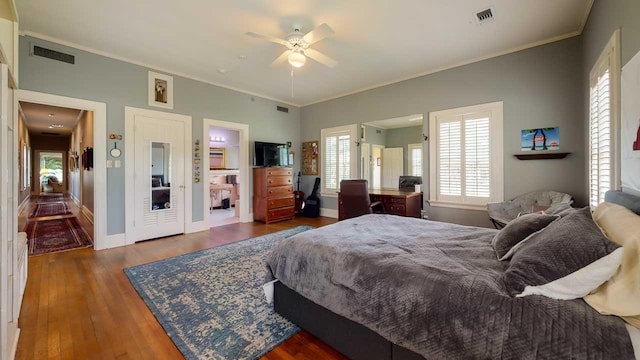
x=50 y=209
x=49 y=198
x=49 y=236
x=211 y=302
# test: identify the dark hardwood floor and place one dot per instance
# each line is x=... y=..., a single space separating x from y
x=80 y=305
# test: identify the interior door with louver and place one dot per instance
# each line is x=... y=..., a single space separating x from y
x=158 y=177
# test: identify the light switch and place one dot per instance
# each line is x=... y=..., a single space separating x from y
x=118 y=163
x=109 y=164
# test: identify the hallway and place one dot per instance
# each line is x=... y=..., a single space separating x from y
x=49 y=210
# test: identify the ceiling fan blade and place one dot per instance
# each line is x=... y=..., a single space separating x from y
x=281 y=59
x=318 y=34
x=268 y=38
x=321 y=58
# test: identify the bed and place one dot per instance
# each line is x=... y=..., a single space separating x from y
x=388 y=287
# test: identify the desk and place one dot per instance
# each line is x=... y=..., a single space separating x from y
x=396 y=202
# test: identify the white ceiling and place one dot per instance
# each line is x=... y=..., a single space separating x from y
x=37 y=119
x=376 y=42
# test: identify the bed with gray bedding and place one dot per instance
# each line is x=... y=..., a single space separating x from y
x=436 y=289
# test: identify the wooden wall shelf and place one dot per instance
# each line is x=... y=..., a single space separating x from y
x=542 y=156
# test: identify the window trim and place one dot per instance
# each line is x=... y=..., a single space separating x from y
x=496 y=157
x=611 y=53
x=410 y=148
x=353 y=156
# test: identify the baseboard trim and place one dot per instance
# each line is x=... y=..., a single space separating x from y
x=87 y=213
x=112 y=241
x=332 y=213
x=197 y=226
x=23 y=204
x=75 y=200
x=14 y=346
x=248 y=219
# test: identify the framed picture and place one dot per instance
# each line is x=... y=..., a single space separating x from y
x=160 y=90
x=310 y=158
x=540 y=139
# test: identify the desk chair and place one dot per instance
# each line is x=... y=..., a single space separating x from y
x=354 y=195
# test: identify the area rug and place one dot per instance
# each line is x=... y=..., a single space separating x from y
x=211 y=302
x=45 y=198
x=50 y=209
x=49 y=236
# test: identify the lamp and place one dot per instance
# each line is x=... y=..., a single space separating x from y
x=297 y=59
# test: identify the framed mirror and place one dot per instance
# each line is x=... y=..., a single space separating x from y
x=391 y=152
x=160 y=176
x=217 y=158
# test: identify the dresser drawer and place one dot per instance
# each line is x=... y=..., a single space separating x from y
x=395 y=209
x=282 y=213
x=279 y=202
x=279 y=172
x=280 y=190
x=279 y=180
x=395 y=201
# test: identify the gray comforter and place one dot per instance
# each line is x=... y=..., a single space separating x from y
x=436 y=289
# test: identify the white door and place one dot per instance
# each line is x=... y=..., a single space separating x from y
x=158 y=177
x=392 y=167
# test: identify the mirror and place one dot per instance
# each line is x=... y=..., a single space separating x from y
x=391 y=152
x=217 y=158
x=160 y=176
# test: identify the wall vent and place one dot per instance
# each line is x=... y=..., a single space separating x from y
x=53 y=54
x=378 y=131
x=49 y=134
x=282 y=108
x=484 y=16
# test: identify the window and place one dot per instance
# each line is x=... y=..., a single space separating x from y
x=466 y=156
x=415 y=159
x=603 y=119
x=339 y=157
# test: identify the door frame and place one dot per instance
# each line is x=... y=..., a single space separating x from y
x=243 y=129
x=99 y=109
x=129 y=151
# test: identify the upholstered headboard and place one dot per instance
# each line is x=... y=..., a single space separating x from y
x=631 y=202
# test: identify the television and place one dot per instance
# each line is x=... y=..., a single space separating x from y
x=270 y=154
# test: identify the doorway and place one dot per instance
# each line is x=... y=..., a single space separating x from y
x=376 y=166
x=53 y=216
x=223 y=176
x=211 y=166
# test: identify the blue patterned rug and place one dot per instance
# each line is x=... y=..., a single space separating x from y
x=211 y=302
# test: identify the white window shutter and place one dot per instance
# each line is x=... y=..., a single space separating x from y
x=450 y=158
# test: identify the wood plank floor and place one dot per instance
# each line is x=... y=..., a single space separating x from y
x=79 y=304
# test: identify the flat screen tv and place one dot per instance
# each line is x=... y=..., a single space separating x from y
x=270 y=154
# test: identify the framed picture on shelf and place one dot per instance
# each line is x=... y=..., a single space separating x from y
x=160 y=90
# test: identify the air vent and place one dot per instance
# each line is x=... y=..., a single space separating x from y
x=53 y=55
x=282 y=108
x=484 y=16
x=50 y=134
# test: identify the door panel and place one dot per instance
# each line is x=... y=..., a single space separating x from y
x=392 y=167
x=159 y=155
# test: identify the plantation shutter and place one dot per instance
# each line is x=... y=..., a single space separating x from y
x=338 y=158
x=600 y=161
x=477 y=154
x=331 y=162
x=450 y=157
x=416 y=160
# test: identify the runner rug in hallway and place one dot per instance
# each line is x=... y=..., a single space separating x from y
x=50 y=209
x=211 y=302
x=49 y=197
x=49 y=236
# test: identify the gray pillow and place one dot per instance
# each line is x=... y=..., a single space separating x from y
x=517 y=231
x=567 y=260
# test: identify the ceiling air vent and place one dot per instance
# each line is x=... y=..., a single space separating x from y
x=53 y=54
x=282 y=108
x=484 y=16
x=50 y=134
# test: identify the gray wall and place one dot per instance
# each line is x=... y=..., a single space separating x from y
x=607 y=16
x=375 y=135
x=120 y=84
x=540 y=87
x=402 y=137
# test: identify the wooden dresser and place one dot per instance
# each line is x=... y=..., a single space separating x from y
x=396 y=202
x=273 y=194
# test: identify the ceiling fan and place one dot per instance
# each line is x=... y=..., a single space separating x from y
x=298 y=43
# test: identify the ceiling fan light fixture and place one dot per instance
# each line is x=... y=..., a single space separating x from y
x=297 y=59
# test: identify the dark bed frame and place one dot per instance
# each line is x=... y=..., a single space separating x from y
x=357 y=341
